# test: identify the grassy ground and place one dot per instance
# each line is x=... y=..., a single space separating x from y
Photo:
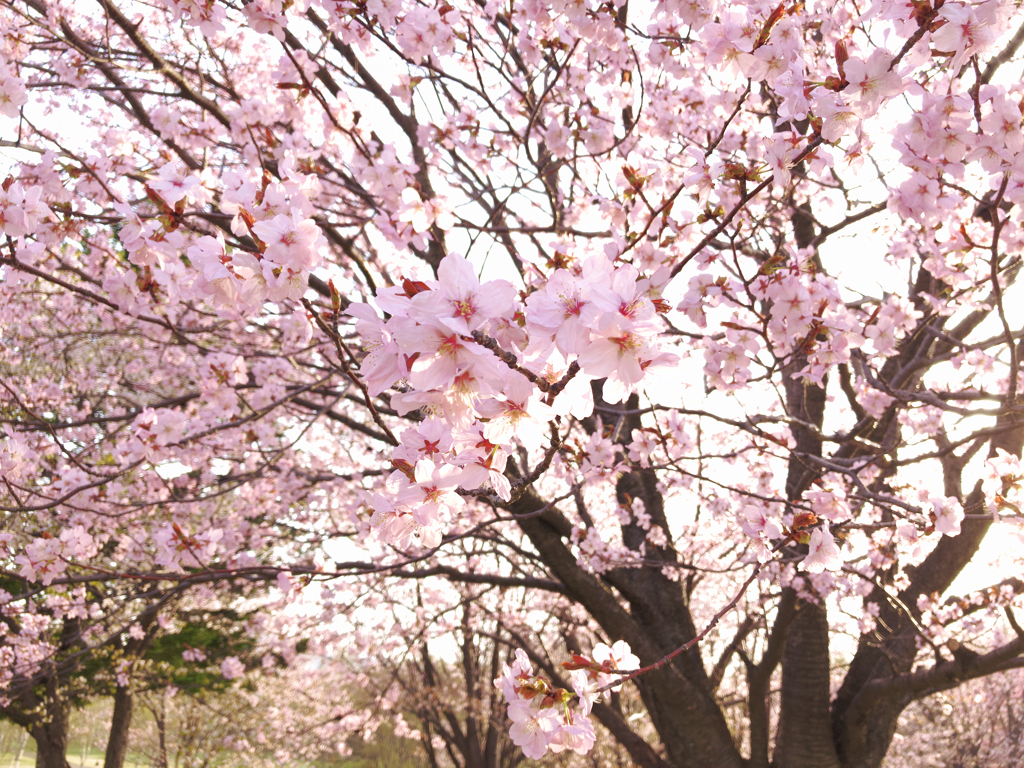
x=93 y=759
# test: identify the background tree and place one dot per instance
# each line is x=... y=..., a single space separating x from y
x=973 y=725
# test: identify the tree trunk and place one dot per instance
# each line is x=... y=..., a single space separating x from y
x=161 y=729
x=804 y=737
x=50 y=730
x=51 y=744
x=805 y=722
x=120 y=724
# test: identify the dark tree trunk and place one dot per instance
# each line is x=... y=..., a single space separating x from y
x=49 y=727
x=688 y=720
x=50 y=753
x=160 y=718
x=121 y=720
x=51 y=731
x=120 y=725
x=805 y=728
x=804 y=737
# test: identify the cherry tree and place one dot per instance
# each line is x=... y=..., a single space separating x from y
x=275 y=719
x=977 y=724
x=446 y=644
x=693 y=326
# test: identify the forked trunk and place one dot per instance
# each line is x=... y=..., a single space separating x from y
x=52 y=743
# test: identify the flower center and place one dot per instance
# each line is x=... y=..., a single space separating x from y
x=628 y=342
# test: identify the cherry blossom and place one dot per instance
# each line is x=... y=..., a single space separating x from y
x=460 y=301
x=522 y=415
x=564 y=310
x=12 y=95
x=871 y=81
x=823 y=554
x=174 y=183
x=948 y=515
x=966 y=31
x=231 y=668
x=532 y=729
x=289 y=243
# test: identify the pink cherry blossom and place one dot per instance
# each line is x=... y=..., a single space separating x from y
x=443 y=354
x=617 y=656
x=965 y=32
x=585 y=687
x=871 y=81
x=823 y=554
x=232 y=668
x=12 y=95
x=532 y=728
x=174 y=183
x=564 y=309
x=577 y=736
x=838 y=117
x=522 y=414
x=615 y=350
x=949 y=513
x=289 y=243
x=432 y=497
x=383 y=363
x=460 y=301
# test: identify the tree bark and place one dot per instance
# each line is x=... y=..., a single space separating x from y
x=160 y=718
x=51 y=736
x=805 y=730
x=804 y=738
x=50 y=725
x=120 y=726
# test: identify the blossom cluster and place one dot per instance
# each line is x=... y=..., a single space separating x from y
x=1002 y=484
x=12 y=92
x=275 y=215
x=47 y=557
x=21 y=209
x=545 y=717
x=494 y=371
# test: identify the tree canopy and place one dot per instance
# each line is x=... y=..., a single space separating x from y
x=654 y=365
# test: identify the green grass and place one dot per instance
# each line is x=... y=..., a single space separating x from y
x=28 y=759
x=93 y=759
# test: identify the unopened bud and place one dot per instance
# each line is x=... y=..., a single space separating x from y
x=405 y=468
x=528 y=689
x=335 y=296
x=842 y=56
x=804 y=520
x=412 y=287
